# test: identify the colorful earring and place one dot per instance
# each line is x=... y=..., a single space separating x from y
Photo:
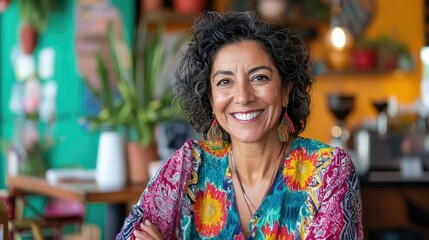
x=214 y=136
x=286 y=127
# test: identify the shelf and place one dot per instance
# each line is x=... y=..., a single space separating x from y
x=362 y=73
x=172 y=20
x=169 y=16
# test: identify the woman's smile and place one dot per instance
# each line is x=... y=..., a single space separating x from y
x=246 y=116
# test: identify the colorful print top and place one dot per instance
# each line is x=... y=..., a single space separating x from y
x=315 y=195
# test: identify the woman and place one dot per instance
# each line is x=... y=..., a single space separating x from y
x=245 y=84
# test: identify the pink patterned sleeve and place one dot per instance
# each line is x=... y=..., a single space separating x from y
x=160 y=202
x=340 y=213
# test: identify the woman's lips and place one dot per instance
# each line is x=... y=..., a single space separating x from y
x=246 y=116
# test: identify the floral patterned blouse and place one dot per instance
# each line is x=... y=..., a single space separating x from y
x=315 y=195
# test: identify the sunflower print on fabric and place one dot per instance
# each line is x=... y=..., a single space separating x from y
x=276 y=232
x=210 y=211
x=300 y=169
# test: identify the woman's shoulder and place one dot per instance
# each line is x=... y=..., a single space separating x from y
x=194 y=151
x=324 y=156
x=321 y=149
x=311 y=144
x=201 y=148
x=318 y=165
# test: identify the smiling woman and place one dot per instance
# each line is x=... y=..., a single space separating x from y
x=245 y=85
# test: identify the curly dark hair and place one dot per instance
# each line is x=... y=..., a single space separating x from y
x=213 y=30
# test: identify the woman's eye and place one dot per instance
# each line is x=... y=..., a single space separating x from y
x=260 y=78
x=223 y=82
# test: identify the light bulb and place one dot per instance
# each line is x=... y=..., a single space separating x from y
x=338 y=41
x=338 y=38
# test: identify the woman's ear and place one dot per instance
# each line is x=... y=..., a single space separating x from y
x=286 y=92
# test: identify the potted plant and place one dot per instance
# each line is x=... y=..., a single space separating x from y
x=189 y=6
x=390 y=50
x=151 y=5
x=138 y=110
x=365 y=54
x=4 y=4
x=111 y=165
x=34 y=19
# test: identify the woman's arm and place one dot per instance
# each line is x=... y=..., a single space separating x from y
x=340 y=212
x=160 y=202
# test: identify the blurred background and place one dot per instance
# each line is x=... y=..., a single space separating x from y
x=85 y=86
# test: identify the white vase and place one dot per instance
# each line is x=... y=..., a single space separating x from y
x=110 y=171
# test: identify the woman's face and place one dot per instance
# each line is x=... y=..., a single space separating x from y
x=247 y=96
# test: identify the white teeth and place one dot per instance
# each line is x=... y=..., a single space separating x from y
x=246 y=116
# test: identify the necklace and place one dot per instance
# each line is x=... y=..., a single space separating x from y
x=249 y=204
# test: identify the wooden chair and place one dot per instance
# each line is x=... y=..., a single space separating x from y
x=11 y=225
x=34 y=225
x=14 y=225
x=4 y=221
x=53 y=218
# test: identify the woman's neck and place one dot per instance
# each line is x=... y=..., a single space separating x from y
x=255 y=161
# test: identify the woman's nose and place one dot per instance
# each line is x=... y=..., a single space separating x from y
x=244 y=94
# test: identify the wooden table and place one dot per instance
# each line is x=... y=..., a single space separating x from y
x=393 y=203
x=116 y=200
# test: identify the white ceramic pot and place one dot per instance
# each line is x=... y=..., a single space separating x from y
x=110 y=171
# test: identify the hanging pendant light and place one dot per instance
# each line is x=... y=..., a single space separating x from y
x=338 y=40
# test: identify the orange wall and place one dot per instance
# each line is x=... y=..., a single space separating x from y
x=406 y=20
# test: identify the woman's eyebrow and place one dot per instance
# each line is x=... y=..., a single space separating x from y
x=255 y=69
x=221 y=72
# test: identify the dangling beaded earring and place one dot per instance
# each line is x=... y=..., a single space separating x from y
x=286 y=127
x=214 y=136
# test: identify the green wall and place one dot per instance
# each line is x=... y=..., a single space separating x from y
x=74 y=145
